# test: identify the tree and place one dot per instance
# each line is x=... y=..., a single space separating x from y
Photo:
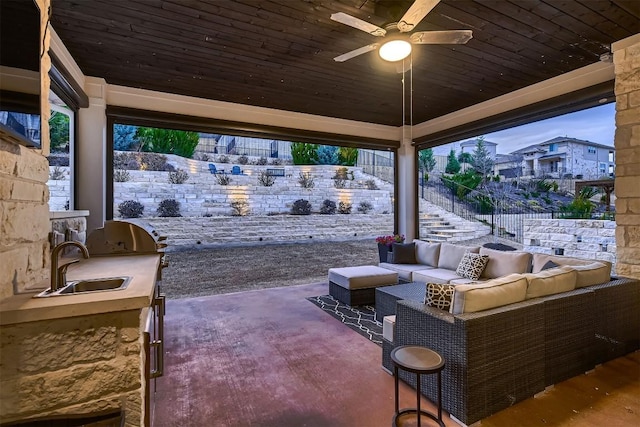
x=348 y=156
x=327 y=155
x=426 y=161
x=59 y=131
x=481 y=161
x=453 y=166
x=303 y=153
x=169 y=141
x=124 y=137
x=465 y=158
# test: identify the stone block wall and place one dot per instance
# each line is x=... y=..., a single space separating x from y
x=626 y=59
x=72 y=366
x=24 y=218
x=579 y=238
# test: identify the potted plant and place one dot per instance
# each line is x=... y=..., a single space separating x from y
x=385 y=244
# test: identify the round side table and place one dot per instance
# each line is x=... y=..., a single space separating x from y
x=419 y=360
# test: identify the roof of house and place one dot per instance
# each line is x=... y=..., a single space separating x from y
x=474 y=142
x=559 y=139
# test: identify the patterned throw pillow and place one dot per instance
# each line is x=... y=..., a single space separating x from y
x=472 y=265
x=439 y=295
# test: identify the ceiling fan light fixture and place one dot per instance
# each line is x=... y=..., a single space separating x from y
x=395 y=50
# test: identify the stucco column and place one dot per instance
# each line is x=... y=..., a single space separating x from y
x=626 y=58
x=91 y=154
x=407 y=188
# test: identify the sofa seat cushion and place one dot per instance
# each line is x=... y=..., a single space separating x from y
x=450 y=255
x=592 y=274
x=427 y=253
x=362 y=277
x=494 y=293
x=551 y=281
x=405 y=271
x=435 y=275
x=502 y=263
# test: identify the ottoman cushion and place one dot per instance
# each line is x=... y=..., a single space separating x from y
x=362 y=277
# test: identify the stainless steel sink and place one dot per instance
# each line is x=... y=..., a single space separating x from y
x=90 y=285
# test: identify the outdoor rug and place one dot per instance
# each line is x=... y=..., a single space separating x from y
x=361 y=319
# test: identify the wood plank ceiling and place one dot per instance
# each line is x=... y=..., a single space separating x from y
x=279 y=53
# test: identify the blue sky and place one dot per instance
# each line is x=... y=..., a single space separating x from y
x=595 y=124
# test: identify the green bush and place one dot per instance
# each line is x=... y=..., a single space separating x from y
x=301 y=207
x=130 y=209
x=327 y=155
x=303 y=153
x=169 y=208
x=178 y=177
x=328 y=207
x=344 y=208
x=348 y=156
x=121 y=175
x=306 y=180
x=365 y=207
x=169 y=141
x=265 y=179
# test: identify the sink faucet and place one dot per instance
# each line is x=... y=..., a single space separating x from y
x=59 y=274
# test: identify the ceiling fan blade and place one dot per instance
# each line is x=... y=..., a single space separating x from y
x=416 y=13
x=441 y=37
x=354 y=53
x=354 y=22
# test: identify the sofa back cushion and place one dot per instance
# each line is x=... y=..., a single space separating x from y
x=450 y=255
x=403 y=253
x=539 y=260
x=427 y=253
x=491 y=294
x=502 y=263
x=551 y=281
x=592 y=274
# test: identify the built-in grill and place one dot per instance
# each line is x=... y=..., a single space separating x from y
x=124 y=237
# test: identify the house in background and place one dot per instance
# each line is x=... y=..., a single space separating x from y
x=560 y=157
x=469 y=146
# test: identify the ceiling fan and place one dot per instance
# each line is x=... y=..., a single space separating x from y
x=396 y=43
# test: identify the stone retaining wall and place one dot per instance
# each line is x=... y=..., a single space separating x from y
x=580 y=238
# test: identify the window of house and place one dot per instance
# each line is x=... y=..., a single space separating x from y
x=591 y=150
x=553 y=147
x=611 y=158
x=603 y=168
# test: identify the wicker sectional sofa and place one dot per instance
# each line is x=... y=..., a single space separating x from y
x=502 y=354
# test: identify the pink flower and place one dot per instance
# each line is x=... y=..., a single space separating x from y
x=389 y=240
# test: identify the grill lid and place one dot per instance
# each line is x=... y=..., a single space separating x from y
x=121 y=237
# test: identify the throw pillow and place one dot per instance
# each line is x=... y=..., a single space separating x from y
x=548 y=265
x=439 y=295
x=472 y=265
x=404 y=253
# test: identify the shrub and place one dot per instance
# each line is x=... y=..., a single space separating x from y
x=339 y=182
x=58 y=160
x=243 y=160
x=141 y=161
x=130 y=209
x=344 y=208
x=305 y=180
x=301 y=207
x=223 y=159
x=276 y=162
x=205 y=157
x=265 y=179
x=328 y=207
x=371 y=184
x=170 y=141
x=169 y=208
x=178 y=177
x=121 y=175
x=303 y=153
x=223 y=179
x=343 y=173
x=365 y=207
x=261 y=161
x=56 y=174
x=240 y=208
x=348 y=156
x=327 y=155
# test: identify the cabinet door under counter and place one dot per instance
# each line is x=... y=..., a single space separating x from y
x=153 y=343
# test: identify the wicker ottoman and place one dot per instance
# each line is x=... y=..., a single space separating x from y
x=357 y=285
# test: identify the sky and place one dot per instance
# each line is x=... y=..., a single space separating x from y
x=595 y=124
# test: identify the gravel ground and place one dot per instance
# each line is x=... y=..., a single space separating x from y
x=212 y=271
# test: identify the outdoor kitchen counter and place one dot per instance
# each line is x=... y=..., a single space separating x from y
x=141 y=268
